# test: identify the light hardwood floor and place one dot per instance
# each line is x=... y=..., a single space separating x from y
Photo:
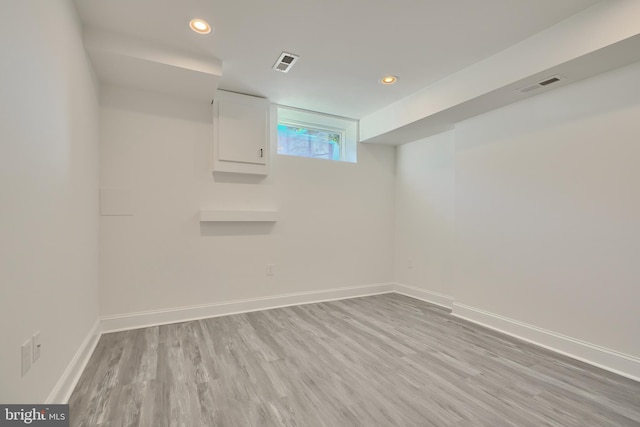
x=385 y=360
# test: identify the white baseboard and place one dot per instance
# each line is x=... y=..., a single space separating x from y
x=621 y=364
x=183 y=314
x=610 y=360
x=67 y=382
x=427 y=296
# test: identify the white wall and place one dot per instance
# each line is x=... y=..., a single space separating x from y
x=335 y=228
x=425 y=213
x=48 y=193
x=547 y=211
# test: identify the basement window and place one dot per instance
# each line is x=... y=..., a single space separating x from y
x=315 y=135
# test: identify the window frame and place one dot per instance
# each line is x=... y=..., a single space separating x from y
x=322 y=128
x=347 y=128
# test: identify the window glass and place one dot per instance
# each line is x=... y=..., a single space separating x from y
x=306 y=141
x=315 y=135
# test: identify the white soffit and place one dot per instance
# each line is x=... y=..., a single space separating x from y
x=140 y=64
x=601 y=38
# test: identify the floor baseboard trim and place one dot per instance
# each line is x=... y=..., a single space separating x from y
x=183 y=314
x=604 y=358
x=424 y=295
x=67 y=382
x=610 y=360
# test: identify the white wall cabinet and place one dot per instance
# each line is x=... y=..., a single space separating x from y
x=240 y=133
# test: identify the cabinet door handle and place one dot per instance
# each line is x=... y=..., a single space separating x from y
x=261 y=153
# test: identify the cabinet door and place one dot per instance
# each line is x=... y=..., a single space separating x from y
x=241 y=133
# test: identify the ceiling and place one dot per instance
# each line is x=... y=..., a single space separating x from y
x=345 y=46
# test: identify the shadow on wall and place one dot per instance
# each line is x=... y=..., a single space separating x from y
x=237 y=178
x=155 y=104
x=236 y=228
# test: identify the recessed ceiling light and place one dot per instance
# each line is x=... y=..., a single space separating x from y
x=388 y=80
x=200 y=26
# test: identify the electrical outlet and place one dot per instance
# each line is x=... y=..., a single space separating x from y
x=37 y=345
x=270 y=269
x=410 y=263
x=26 y=357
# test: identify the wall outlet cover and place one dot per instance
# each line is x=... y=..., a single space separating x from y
x=26 y=357
x=37 y=345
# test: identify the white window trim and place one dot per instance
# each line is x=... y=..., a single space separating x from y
x=347 y=128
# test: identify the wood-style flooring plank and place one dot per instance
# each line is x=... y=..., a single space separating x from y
x=385 y=360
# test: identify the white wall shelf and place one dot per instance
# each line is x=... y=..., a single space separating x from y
x=238 y=216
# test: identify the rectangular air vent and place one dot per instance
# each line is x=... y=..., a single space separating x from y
x=542 y=83
x=549 y=81
x=285 y=62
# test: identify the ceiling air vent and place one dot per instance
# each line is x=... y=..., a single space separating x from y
x=285 y=62
x=543 y=83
